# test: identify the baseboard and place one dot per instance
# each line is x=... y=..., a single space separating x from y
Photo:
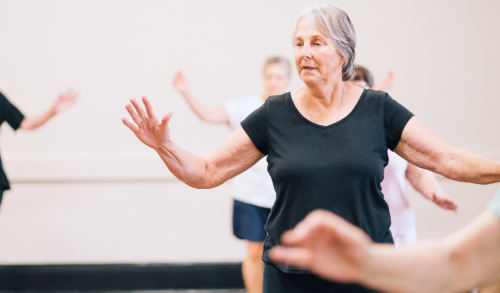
x=119 y=277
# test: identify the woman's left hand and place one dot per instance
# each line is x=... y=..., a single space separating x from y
x=65 y=100
x=444 y=202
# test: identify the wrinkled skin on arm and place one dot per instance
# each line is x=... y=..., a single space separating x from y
x=421 y=147
x=233 y=156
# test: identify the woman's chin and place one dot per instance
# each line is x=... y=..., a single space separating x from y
x=309 y=79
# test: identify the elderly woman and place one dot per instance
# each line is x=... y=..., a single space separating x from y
x=326 y=147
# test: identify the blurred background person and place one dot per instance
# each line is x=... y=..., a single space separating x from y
x=15 y=118
x=253 y=190
x=395 y=174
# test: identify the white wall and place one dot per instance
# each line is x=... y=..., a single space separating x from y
x=84 y=188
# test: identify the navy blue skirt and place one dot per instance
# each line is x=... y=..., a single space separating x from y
x=249 y=221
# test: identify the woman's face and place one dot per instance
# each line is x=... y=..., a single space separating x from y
x=316 y=57
x=275 y=79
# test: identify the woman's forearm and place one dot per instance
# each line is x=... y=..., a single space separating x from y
x=466 y=166
x=422 y=181
x=186 y=166
x=233 y=156
x=464 y=260
x=409 y=269
x=421 y=147
x=33 y=122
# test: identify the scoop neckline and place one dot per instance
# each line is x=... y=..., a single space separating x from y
x=361 y=98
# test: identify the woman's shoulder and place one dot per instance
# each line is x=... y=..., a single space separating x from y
x=376 y=95
x=277 y=101
x=3 y=100
x=381 y=98
x=278 y=98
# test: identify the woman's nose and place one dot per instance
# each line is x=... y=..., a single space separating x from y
x=306 y=52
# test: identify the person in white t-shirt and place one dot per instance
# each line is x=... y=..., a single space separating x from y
x=395 y=175
x=253 y=190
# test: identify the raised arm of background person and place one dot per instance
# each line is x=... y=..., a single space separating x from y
x=334 y=249
x=426 y=184
x=63 y=102
x=235 y=155
x=421 y=147
x=213 y=115
x=385 y=84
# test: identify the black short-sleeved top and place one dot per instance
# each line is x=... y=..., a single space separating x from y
x=336 y=168
x=14 y=117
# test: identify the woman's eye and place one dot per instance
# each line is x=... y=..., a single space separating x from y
x=317 y=44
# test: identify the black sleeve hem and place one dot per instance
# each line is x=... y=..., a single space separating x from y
x=253 y=137
x=401 y=127
x=10 y=113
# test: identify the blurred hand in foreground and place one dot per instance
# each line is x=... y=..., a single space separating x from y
x=327 y=245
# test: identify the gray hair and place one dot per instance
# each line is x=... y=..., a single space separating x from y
x=335 y=24
x=278 y=60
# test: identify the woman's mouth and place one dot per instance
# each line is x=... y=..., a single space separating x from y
x=308 y=68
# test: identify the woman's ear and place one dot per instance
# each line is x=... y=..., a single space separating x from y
x=342 y=61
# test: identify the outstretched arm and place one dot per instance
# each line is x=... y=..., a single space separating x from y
x=63 y=102
x=427 y=185
x=334 y=249
x=235 y=155
x=421 y=147
x=213 y=115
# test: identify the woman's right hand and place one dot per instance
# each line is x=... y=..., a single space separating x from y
x=147 y=127
x=180 y=82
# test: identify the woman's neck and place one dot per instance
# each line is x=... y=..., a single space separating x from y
x=325 y=96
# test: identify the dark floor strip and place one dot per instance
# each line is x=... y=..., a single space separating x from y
x=120 y=277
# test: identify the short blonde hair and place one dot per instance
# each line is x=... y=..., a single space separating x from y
x=278 y=60
x=335 y=24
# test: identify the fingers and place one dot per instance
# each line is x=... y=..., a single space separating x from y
x=178 y=75
x=133 y=114
x=445 y=202
x=129 y=124
x=317 y=222
x=149 y=108
x=165 y=120
x=180 y=81
x=139 y=109
x=70 y=94
x=298 y=257
x=450 y=204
